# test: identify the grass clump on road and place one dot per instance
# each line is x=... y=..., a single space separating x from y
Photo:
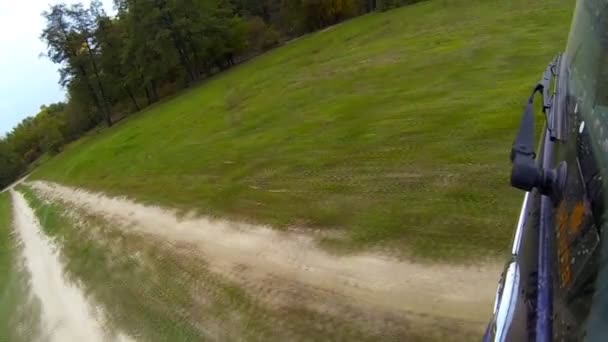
x=393 y=128
x=102 y=260
x=157 y=291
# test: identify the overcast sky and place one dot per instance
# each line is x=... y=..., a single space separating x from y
x=27 y=81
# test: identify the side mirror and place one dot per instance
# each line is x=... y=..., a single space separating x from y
x=525 y=173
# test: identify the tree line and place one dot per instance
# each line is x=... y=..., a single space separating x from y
x=112 y=66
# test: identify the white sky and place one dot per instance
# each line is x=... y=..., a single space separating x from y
x=27 y=81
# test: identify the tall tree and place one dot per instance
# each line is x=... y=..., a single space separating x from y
x=110 y=37
x=84 y=25
x=65 y=47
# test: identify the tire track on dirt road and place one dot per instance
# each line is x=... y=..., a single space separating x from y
x=65 y=313
x=272 y=263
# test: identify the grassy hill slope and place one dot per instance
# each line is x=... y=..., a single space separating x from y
x=393 y=128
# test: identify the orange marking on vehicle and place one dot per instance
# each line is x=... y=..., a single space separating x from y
x=563 y=249
x=576 y=218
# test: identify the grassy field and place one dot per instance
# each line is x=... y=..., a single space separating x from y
x=391 y=130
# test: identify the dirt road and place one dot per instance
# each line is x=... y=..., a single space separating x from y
x=65 y=313
x=269 y=264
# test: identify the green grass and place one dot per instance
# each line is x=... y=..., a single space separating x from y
x=7 y=303
x=394 y=128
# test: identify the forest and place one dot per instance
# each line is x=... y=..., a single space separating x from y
x=115 y=65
